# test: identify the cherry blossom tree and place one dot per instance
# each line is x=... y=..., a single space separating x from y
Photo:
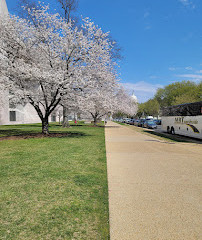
x=98 y=98
x=106 y=99
x=125 y=103
x=68 y=7
x=98 y=104
x=47 y=59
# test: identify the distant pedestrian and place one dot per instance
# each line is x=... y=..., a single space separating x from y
x=75 y=122
x=105 y=121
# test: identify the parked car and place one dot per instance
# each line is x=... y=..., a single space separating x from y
x=123 y=120
x=136 y=122
x=150 y=124
x=157 y=121
x=141 y=123
x=149 y=118
x=131 y=122
x=126 y=120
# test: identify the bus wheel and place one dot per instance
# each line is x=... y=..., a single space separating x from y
x=168 y=129
x=172 y=131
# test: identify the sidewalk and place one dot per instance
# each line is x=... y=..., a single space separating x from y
x=154 y=187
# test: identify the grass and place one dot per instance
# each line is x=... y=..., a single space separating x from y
x=27 y=129
x=53 y=188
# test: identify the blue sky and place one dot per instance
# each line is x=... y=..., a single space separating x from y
x=161 y=39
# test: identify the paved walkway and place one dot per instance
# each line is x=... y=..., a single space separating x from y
x=154 y=187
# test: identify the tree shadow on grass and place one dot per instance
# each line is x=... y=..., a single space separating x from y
x=14 y=134
x=34 y=125
x=78 y=125
x=176 y=138
x=71 y=125
x=68 y=134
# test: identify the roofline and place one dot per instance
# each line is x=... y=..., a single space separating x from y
x=183 y=104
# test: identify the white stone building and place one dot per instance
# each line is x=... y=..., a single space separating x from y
x=18 y=114
x=3 y=8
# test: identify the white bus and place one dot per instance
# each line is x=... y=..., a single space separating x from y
x=184 y=119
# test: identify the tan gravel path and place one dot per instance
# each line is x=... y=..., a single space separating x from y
x=154 y=186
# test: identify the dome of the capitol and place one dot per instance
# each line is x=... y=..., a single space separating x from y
x=134 y=97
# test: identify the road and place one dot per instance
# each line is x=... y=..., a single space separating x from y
x=154 y=186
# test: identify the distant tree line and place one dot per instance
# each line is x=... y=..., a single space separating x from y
x=172 y=94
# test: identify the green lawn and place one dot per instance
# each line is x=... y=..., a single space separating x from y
x=53 y=188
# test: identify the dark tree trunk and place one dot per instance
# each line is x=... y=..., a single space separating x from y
x=49 y=108
x=45 y=126
x=95 y=120
x=65 y=122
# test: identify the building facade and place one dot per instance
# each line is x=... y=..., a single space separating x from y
x=19 y=114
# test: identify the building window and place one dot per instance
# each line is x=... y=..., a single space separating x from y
x=12 y=116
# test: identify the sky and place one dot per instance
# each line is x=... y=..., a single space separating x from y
x=161 y=40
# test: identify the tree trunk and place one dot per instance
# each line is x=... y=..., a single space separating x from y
x=95 y=117
x=45 y=126
x=65 y=122
x=95 y=121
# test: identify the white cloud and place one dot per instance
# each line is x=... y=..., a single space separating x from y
x=143 y=90
x=180 y=68
x=200 y=71
x=148 y=27
x=193 y=77
x=189 y=68
x=172 y=68
x=146 y=14
x=188 y=3
x=153 y=77
x=146 y=18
